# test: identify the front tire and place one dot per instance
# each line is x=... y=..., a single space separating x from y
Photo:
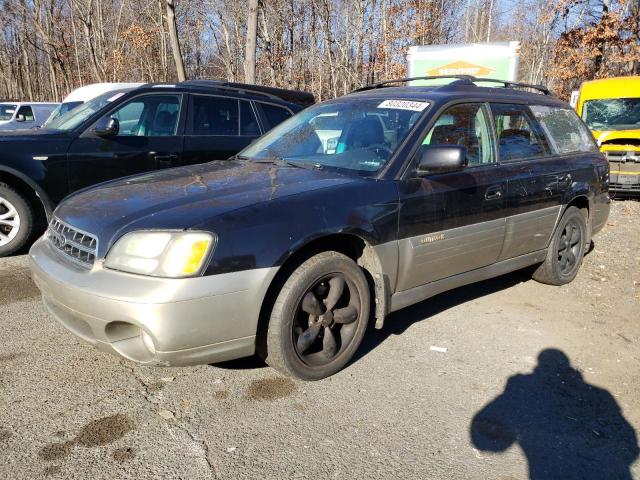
x=319 y=317
x=566 y=250
x=16 y=221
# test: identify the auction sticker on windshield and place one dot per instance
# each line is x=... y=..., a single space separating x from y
x=404 y=105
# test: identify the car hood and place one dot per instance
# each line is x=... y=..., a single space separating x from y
x=34 y=135
x=182 y=197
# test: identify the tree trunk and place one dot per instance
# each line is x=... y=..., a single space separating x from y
x=250 y=45
x=175 y=44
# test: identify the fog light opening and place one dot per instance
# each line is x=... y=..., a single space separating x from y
x=148 y=342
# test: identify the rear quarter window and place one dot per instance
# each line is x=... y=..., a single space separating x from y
x=275 y=115
x=566 y=132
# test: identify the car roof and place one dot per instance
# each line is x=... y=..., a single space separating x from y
x=87 y=92
x=461 y=88
x=9 y=102
x=253 y=92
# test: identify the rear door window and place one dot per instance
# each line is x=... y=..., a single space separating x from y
x=519 y=135
x=215 y=116
x=566 y=132
x=275 y=115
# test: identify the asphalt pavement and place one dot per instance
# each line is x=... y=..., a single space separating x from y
x=505 y=379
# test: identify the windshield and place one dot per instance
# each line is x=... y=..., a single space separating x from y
x=612 y=114
x=61 y=110
x=6 y=111
x=353 y=134
x=76 y=116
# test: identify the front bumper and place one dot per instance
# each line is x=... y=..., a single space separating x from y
x=149 y=320
x=624 y=176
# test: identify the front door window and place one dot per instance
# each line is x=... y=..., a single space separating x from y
x=149 y=116
x=467 y=125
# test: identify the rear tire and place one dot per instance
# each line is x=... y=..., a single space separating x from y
x=16 y=221
x=312 y=346
x=566 y=250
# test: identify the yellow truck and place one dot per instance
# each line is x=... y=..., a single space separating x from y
x=611 y=109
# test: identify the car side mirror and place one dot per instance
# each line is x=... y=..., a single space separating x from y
x=107 y=127
x=441 y=159
x=20 y=118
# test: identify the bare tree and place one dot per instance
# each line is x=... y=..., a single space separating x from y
x=175 y=43
x=251 y=42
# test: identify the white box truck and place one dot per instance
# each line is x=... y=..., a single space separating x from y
x=497 y=60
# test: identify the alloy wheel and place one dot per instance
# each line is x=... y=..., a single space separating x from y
x=9 y=221
x=327 y=319
x=569 y=247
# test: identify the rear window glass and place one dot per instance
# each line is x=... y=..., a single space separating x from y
x=564 y=129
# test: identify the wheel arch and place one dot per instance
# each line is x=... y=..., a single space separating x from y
x=29 y=189
x=353 y=246
x=582 y=202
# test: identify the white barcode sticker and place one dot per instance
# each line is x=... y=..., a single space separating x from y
x=404 y=105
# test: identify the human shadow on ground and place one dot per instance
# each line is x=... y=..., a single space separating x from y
x=567 y=428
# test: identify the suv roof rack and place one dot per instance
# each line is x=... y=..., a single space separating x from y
x=459 y=80
x=294 y=96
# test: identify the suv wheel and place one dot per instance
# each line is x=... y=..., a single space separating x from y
x=319 y=318
x=566 y=250
x=16 y=220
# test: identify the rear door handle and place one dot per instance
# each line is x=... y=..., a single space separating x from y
x=493 y=193
x=166 y=159
x=565 y=179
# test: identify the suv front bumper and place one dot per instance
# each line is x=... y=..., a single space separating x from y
x=154 y=321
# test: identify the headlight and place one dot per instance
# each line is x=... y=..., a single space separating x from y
x=161 y=254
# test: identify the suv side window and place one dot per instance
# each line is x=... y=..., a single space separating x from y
x=215 y=115
x=26 y=112
x=275 y=115
x=248 y=121
x=519 y=134
x=566 y=132
x=467 y=125
x=149 y=116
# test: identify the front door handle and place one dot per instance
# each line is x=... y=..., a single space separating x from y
x=493 y=193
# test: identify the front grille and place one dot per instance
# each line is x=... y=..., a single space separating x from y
x=79 y=247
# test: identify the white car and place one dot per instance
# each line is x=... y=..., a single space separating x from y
x=24 y=115
x=83 y=94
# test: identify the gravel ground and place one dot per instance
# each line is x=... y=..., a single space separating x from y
x=536 y=382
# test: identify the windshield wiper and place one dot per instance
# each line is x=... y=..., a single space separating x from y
x=281 y=162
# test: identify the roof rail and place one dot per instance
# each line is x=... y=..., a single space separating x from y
x=459 y=80
x=468 y=79
x=293 y=96
x=510 y=84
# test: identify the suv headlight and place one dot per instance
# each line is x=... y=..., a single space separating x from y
x=161 y=254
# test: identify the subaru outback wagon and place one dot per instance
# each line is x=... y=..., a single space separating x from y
x=353 y=208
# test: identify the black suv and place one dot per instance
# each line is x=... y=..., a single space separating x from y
x=126 y=132
x=357 y=206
